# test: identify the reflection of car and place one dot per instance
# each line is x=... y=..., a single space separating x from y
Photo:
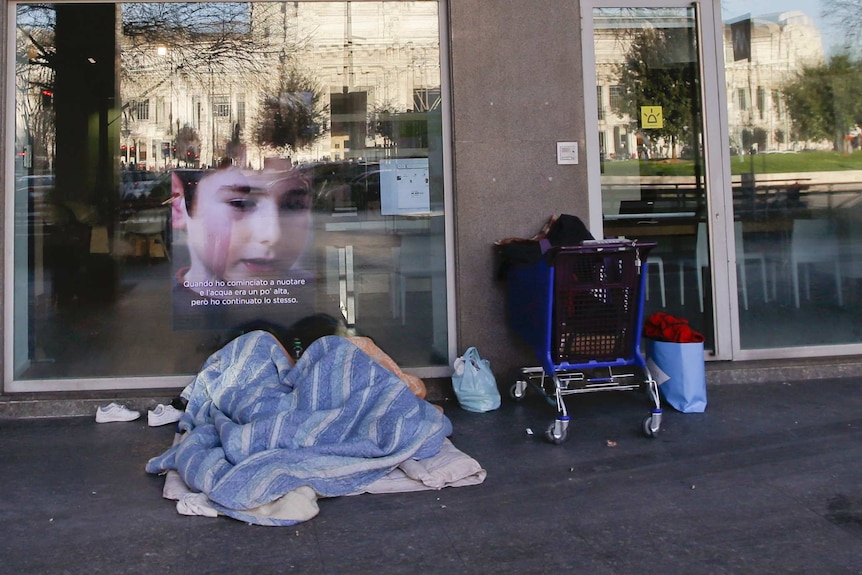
x=137 y=183
x=161 y=188
x=365 y=188
x=329 y=184
x=153 y=202
x=344 y=186
x=37 y=182
x=32 y=202
x=39 y=188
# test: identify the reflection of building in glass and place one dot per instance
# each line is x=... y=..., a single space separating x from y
x=780 y=45
x=162 y=86
x=376 y=65
x=646 y=67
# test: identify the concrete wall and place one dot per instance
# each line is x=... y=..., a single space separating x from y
x=517 y=83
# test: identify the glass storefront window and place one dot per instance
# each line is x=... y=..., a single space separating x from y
x=751 y=191
x=793 y=77
x=185 y=172
x=653 y=179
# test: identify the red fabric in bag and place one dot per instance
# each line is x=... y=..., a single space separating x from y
x=665 y=327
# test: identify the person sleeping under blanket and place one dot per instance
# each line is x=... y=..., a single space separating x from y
x=311 y=328
x=262 y=437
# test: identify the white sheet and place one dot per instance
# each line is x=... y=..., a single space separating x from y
x=451 y=467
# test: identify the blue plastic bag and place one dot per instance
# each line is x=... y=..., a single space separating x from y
x=679 y=370
x=474 y=383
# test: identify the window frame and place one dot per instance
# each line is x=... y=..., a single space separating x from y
x=11 y=384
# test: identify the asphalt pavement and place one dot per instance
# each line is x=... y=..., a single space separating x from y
x=767 y=480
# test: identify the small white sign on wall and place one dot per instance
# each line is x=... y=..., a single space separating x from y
x=567 y=152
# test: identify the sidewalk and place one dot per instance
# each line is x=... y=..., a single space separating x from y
x=766 y=481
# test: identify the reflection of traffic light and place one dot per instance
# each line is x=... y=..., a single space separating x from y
x=133 y=154
x=123 y=152
x=174 y=152
x=166 y=149
x=47 y=98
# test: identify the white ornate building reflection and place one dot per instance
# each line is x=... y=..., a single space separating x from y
x=366 y=58
x=781 y=44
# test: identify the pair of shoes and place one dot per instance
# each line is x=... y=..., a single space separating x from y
x=163 y=415
x=115 y=412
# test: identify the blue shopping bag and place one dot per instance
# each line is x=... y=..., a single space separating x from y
x=679 y=370
x=474 y=383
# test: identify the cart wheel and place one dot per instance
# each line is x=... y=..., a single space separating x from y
x=557 y=432
x=518 y=390
x=647 y=427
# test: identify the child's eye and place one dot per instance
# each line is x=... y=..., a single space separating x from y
x=242 y=204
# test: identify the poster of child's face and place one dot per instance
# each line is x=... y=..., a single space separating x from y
x=246 y=233
x=242 y=225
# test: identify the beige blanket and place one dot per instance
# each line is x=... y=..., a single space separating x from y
x=449 y=468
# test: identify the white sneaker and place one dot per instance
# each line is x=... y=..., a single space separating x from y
x=115 y=412
x=163 y=415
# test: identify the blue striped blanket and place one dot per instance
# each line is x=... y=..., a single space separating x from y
x=258 y=427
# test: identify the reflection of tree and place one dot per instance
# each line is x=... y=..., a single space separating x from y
x=846 y=15
x=202 y=39
x=293 y=117
x=381 y=121
x=188 y=144
x=823 y=100
x=403 y=129
x=755 y=136
x=657 y=71
x=34 y=75
x=200 y=47
x=35 y=43
x=192 y=43
x=235 y=149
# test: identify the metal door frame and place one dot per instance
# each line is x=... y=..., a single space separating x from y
x=716 y=154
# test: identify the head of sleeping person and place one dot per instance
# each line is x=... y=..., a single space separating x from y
x=241 y=225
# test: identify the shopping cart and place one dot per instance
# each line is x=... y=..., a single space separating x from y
x=581 y=309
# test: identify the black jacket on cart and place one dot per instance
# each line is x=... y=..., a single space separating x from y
x=561 y=230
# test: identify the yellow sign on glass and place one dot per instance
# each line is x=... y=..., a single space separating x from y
x=651 y=117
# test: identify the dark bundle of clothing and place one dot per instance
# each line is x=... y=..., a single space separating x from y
x=560 y=230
